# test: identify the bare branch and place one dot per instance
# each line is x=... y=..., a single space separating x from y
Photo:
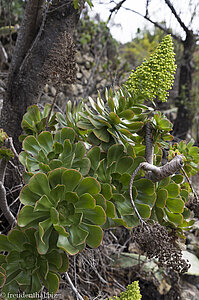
x=51 y=108
x=3 y=201
x=116 y=8
x=149 y=145
x=73 y=287
x=4 y=206
x=166 y=30
x=147 y=7
x=177 y=16
x=189 y=182
x=131 y=194
x=170 y=168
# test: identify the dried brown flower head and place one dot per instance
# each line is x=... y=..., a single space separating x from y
x=155 y=242
x=60 y=64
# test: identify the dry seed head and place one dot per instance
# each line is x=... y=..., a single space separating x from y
x=156 y=242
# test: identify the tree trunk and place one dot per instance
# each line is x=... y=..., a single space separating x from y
x=185 y=112
x=41 y=28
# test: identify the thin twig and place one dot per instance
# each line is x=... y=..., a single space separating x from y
x=3 y=200
x=156 y=24
x=131 y=195
x=177 y=16
x=3 y=203
x=73 y=287
x=190 y=184
x=11 y=145
x=51 y=108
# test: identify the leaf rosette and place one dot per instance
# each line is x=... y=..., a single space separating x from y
x=114 y=172
x=48 y=152
x=66 y=202
x=34 y=121
x=117 y=119
x=23 y=269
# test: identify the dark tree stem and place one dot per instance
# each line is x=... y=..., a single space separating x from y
x=40 y=30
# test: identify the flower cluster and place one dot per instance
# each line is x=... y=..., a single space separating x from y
x=153 y=78
x=132 y=292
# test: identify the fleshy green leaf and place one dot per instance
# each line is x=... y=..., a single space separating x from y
x=27 y=196
x=85 y=201
x=96 y=216
x=64 y=244
x=43 y=204
x=162 y=195
x=45 y=139
x=95 y=235
x=27 y=215
x=31 y=145
x=39 y=184
x=78 y=235
x=175 y=205
x=88 y=185
x=71 y=179
x=102 y=134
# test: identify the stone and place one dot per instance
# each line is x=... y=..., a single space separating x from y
x=53 y=90
x=85 y=73
x=79 y=75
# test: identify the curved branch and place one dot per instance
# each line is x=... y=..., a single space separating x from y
x=131 y=194
x=155 y=174
x=166 y=30
x=3 y=201
x=177 y=16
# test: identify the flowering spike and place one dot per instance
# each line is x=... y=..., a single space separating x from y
x=153 y=78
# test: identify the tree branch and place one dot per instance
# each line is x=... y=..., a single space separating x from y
x=27 y=32
x=166 y=30
x=73 y=287
x=3 y=201
x=26 y=80
x=177 y=16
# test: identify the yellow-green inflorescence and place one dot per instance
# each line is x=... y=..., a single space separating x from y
x=153 y=78
x=132 y=292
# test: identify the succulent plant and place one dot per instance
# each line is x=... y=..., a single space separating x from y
x=34 y=121
x=113 y=121
x=23 y=269
x=48 y=151
x=66 y=202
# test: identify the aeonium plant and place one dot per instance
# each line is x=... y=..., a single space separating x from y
x=24 y=268
x=100 y=167
x=66 y=202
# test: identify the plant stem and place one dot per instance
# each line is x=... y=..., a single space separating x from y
x=51 y=108
x=73 y=287
x=189 y=182
x=131 y=194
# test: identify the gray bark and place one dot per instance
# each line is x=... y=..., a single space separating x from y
x=41 y=27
